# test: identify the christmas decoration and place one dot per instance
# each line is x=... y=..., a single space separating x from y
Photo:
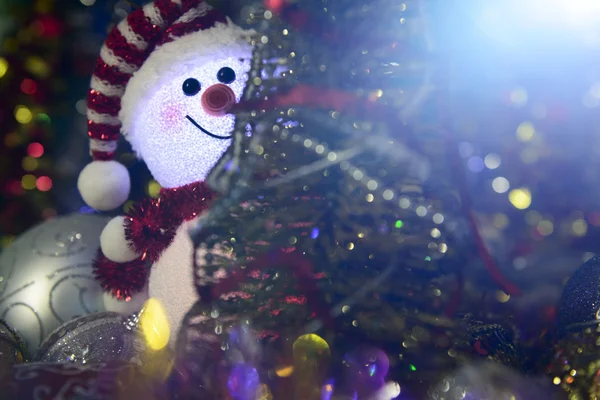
x=96 y=338
x=580 y=301
x=152 y=83
x=47 y=276
x=12 y=349
x=326 y=200
x=576 y=364
x=115 y=380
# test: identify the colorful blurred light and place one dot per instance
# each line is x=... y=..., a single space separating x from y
x=23 y=115
x=579 y=227
x=44 y=183
x=518 y=97
x=29 y=164
x=28 y=86
x=525 y=131
x=153 y=189
x=28 y=182
x=492 y=161
x=500 y=184
x=35 y=150
x=37 y=66
x=154 y=325
x=3 y=66
x=520 y=198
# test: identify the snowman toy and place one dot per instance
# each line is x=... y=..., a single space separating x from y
x=166 y=77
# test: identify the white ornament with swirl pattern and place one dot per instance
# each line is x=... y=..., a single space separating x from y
x=46 y=276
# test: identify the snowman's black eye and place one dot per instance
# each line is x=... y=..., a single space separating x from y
x=226 y=75
x=191 y=86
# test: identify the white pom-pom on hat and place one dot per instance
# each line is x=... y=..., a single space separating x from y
x=104 y=185
x=113 y=243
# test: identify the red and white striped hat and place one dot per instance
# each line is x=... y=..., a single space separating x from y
x=104 y=184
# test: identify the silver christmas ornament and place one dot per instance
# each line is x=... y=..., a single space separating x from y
x=96 y=338
x=46 y=276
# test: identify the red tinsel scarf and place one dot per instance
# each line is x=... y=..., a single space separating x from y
x=150 y=227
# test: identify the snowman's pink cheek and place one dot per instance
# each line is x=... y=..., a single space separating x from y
x=171 y=115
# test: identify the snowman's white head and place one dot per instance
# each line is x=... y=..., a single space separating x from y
x=180 y=125
x=166 y=78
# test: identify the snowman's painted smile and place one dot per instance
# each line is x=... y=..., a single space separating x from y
x=197 y=125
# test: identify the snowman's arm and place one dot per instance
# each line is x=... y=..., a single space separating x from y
x=150 y=227
x=114 y=243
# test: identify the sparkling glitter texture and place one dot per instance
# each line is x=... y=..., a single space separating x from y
x=176 y=151
x=580 y=301
x=101 y=337
x=47 y=277
x=326 y=169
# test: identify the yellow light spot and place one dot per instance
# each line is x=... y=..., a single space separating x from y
x=3 y=67
x=556 y=380
x=285 y=372
x=579 y=227
x=154 y=189
x=37 y=66
x=28 y=182
x=520 y=198
x=435 y=233
x=154 y=324
x=502 y=297
x=518 y=97
x=545 y=227
x=369 y=197
x=346 y=309
x=23 y=115
x=29 y=164
x=350 y=246
x=525 y=131
x=310 y=350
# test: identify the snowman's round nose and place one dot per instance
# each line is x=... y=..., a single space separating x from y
x=218 y=99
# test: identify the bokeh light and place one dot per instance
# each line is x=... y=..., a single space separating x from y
x=153 y=189
x=518 y=97
x=35 y=150
x=154 y=324
x=525 y=131
x=28 y=86
x=29 y=164
x=44 y=183
x=520 y=198
x=3 y=66
x=500 y=184
x=23 y=115
x=28 y=182
x=492 y=161
x=579 y=227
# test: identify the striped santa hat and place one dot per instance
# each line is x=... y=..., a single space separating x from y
x=135 y=54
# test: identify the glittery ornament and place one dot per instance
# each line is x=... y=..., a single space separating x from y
x=12 y=349
x=46 y=276
x=116 y=380
x=580 y=301
x=101 y=337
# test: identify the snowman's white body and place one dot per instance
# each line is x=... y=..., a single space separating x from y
x=172 y=279
x=180 y=140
